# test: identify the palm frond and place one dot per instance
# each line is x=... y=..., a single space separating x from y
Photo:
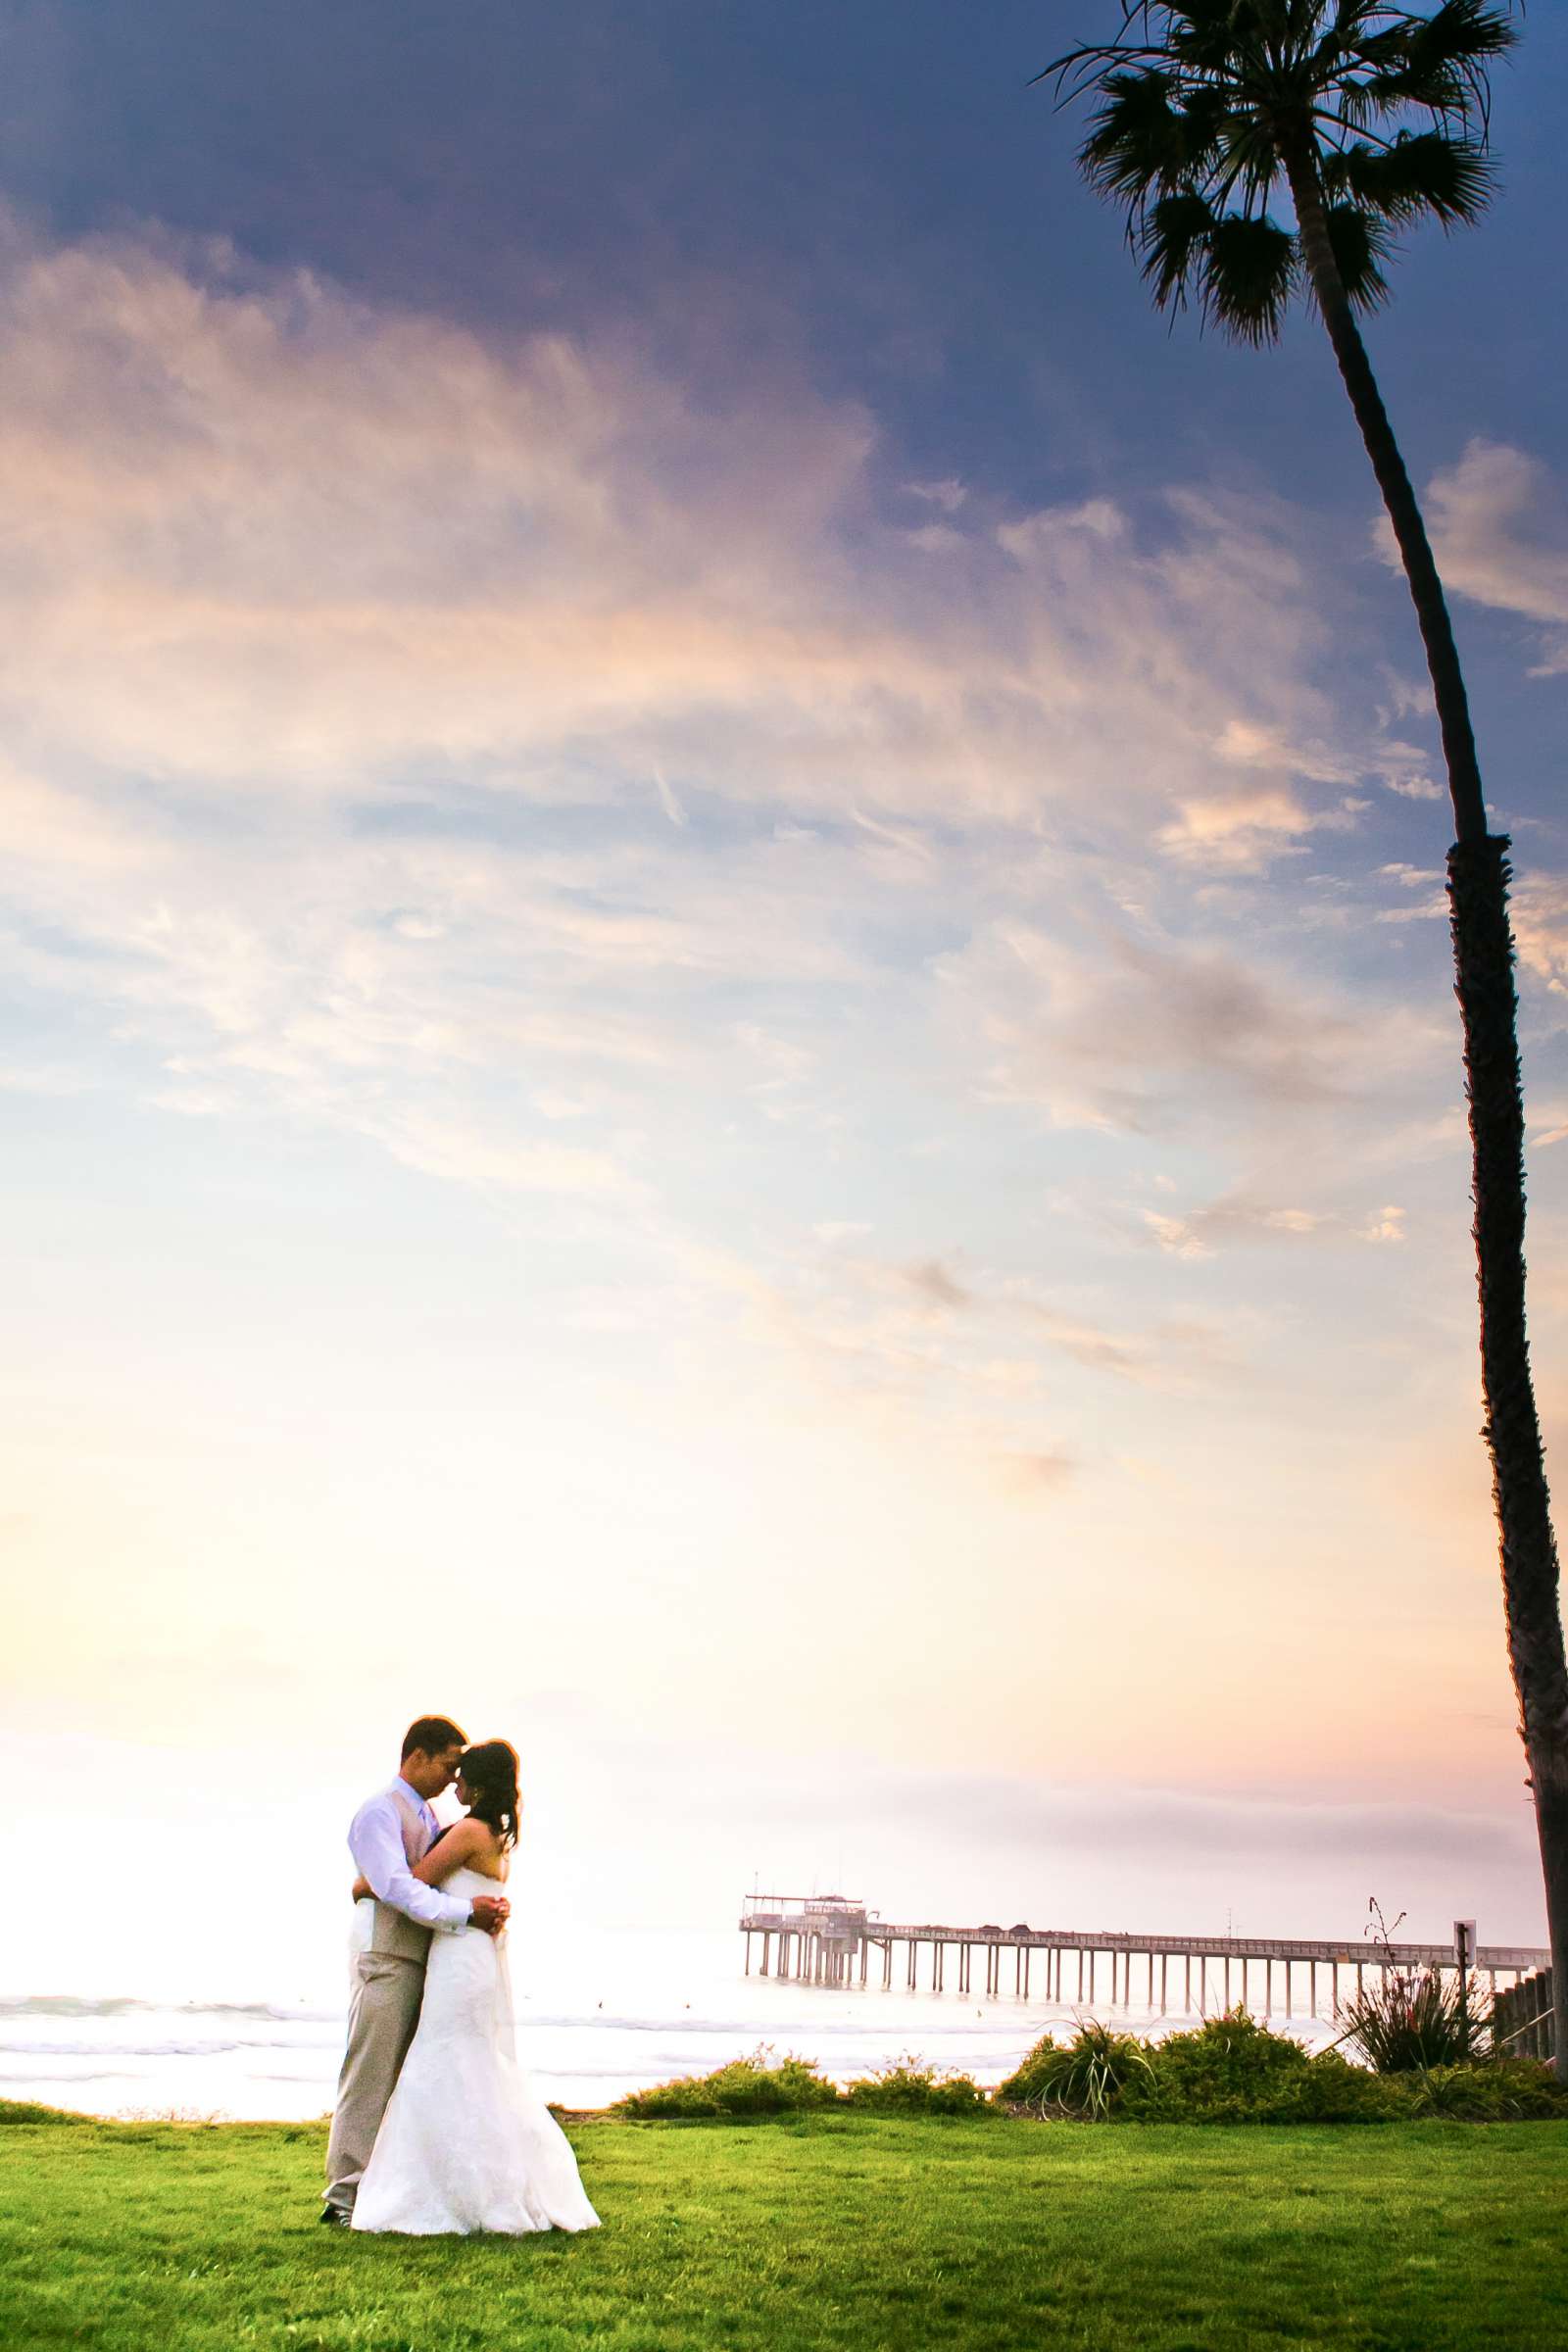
x=1252 y=157
x=1361 y=244
x=1418 y=173
x=1137 y=140
x=1205 y=115
x=1250 y=272
x=1173 y=243
x=1438 y=62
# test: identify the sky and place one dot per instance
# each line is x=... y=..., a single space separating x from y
x=727 y=1035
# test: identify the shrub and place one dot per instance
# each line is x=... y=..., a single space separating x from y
x=1334 y=2091
x=909 y=2087
x=745 y=2087
x=1412 y=2020
x=1498 y=2091
x=1230 y=2070
x=1085 y=2077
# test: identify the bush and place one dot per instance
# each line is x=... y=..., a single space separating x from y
x=745 y=2086
x=1231 y=2070
x=1337 y=2092
x=1499 y=2092
x=908 y=2087
x=1411 y=2021
x=1084 y=2078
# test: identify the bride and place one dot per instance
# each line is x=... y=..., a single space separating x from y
x=466 y=2142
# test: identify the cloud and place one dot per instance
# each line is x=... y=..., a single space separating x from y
x=1045 y=1816
x=1242 y=831
x=41 y=1079
x=667 y=800
x=1145 y=1034
x=302 y=534
x=1192 y=1823
x=1404 y=769
x=434 y=738
x=1432 y=903
x=933 y=1283
x=1178 y=1234
x=1499 y=521
x=464 y=1155
x=873 y=1312
x=1242 y=1218
x=310 y=539
x=1540 y=909
x=1037 y=1473
x=947 y=495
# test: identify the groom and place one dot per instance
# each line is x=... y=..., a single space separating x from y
x=389 y=1834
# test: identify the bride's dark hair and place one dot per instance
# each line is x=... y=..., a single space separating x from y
x=490 y=1772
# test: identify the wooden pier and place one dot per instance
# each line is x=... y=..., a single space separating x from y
x=829 y=1940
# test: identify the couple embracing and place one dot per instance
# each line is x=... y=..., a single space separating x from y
x=437 y=2128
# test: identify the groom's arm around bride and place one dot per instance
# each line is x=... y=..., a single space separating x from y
x=390 y=1833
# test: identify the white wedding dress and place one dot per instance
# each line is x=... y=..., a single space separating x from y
x=466 y=2142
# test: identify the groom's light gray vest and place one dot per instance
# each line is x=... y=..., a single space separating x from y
x=393 y=1931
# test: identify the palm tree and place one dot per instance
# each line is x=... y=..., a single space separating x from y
x=1370 y=118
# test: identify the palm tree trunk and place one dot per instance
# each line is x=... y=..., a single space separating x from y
x=1484 y=958
x=1410 y=531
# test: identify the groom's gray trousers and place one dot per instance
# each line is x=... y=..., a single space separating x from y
x=383 y=2012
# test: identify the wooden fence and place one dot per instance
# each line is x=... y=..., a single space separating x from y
x=1522 y=2024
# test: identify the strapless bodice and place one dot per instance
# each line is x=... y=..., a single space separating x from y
x=470 y=1882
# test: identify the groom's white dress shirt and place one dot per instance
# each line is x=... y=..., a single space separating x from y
x=375 y=1841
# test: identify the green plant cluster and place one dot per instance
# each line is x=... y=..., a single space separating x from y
x=761 y=2086
x=1510 y=2090
x=745 y=2087
x=1087 y=2077
x=909 y=2087
x=1231 y=2070
x=1418 y=2018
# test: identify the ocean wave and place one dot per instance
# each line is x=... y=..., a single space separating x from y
x=64 y=2004
x=318 y=2028
x=101 y=2074
x=848 y=2028
x=138 y=2049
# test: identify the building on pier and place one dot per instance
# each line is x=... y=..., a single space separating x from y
x=820 y=1937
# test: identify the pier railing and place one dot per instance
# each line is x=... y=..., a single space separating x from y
x=830 y=1940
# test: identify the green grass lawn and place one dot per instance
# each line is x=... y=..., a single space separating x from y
x=822 y=2230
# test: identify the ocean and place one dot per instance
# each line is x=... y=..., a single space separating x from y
x=623 y=2009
